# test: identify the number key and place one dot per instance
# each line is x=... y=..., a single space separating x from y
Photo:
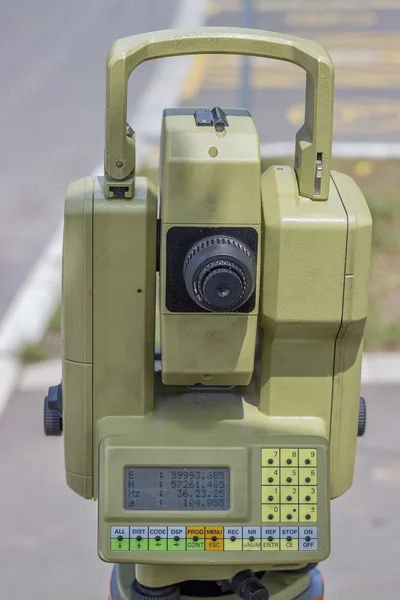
x=308 y=476
x=270 y=476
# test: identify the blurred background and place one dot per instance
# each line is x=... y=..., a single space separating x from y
x=52 y=128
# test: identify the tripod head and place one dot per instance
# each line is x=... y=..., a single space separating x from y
x=215 y=436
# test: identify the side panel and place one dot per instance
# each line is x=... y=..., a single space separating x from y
x=77 y=336
x=301 y=297
x=124 y=280
x=348 y=356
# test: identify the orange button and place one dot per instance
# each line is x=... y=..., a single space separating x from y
x=192 y=532
x=218 y=544
x=214 y=530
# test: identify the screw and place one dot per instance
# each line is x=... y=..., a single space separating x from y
x=120 y=164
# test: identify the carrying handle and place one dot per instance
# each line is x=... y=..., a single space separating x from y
x=313 y=140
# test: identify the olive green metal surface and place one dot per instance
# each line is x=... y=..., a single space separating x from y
x=294 y=360
x=315 y=136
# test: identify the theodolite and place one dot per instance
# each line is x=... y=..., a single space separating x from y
x=212 y=339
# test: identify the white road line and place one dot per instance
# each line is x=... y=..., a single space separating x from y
x=27 y=318
x=339 y=149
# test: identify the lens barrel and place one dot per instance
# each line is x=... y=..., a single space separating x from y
x=219 y=273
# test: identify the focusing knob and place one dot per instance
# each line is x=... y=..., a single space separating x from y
x=53 y=411
x=220 y=273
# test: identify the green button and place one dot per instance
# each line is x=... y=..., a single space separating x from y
x=139 y=545
x=177 y=545
x=192 y=545
x=160 y=545
x=119 y=545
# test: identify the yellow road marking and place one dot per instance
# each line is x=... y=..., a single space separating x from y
x=196 y=76
x=363 y=168
x=361 y=60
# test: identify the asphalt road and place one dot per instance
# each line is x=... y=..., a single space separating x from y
x=48 y=535
x=52 y=111
x=363 y=40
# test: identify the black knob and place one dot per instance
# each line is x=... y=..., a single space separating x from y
x=362 y=418
x=220 y=273
x=141 y=592
x=247 y=586
x=53 y=411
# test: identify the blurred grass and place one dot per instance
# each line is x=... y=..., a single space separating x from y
x=380 y=182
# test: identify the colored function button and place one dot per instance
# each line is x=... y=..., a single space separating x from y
x=176 y=538
x=158 y=538
x=270 y=456
x=214 y=538
x=119 y=539
x=289 y=543
x=292 y=532
x=233 y=538
x=305 y=544
x=195 y=539
x=251 y=538
x=139 y=544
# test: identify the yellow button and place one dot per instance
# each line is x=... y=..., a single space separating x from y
x=252 y=545
x=192 y=532
x=289 y=513
x=218 y=544
x=289 y=457
x=308 y=513
x=289 y=544
x=290 y=494
x=214 y=530
x=308 y=476
x=289 y=476
x=270 y=494
x=270 y=476
x=270 y=513
x=308 y=494
x=308 y=457
x=270 y=545
x=269 y=457
x=235 y=545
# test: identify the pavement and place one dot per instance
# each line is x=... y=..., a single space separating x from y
x=52 y=133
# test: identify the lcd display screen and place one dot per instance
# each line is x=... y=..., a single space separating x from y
x=177 y=488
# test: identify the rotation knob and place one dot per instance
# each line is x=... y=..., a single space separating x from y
x=53 y=411
x=362 y=418
x=141 y=592
x=219 y=273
